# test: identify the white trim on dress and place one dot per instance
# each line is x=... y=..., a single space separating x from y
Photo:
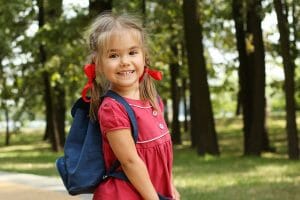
x=140 y=106
x=134 y=105
x=145 y=141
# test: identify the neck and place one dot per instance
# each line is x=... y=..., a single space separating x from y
x=128 y=93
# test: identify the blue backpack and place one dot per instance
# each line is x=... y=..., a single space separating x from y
x=82 y=167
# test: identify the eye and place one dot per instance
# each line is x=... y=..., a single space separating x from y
x=113 y=55
x=133 y=52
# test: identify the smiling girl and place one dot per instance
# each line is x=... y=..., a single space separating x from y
x=120 y=57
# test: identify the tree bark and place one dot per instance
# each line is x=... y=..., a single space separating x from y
x=295 y=30
x=51 y=127
x=3 y=103
x=52 y=131
x=98 y=6
x=257 y=127
x=289 y=84
x=251 y=96
x=60 y=110
x=174 y=69
x=166 y=111
x=245 y=82
x=7 y=134
x=185 y=107
x=43 y=57
x=202 y=122
x=143 y=2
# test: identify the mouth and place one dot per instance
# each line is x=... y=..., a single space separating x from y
x=126 y=73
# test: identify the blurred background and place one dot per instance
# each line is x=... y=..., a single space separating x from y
x=231 y=88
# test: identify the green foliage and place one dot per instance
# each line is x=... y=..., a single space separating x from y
x=165 y=23
x=15 y=19
x=21 y=72
x=65 y=51
x=134 y=6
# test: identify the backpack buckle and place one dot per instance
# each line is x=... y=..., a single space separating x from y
x=104 y=177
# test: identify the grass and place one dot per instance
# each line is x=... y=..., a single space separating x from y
x=28 y=154
x=230 y=176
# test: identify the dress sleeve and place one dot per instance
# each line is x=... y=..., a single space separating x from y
x=112 y=116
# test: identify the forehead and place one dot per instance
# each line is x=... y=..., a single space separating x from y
x=123 y=39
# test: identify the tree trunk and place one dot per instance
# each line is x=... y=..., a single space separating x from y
x=202 y=122
x=143 y=2
x=42 y=54
x=52 y=126
x=52 y=131
x=185 y=107
x=289 y=84
x=54 y=11
x=251 y=96
x=295 y=30
x=7 y=134
x=245 y=82
x=257 y=134
x=60 y=110
x=98 y=6
x=3 y=103
x=174 y=69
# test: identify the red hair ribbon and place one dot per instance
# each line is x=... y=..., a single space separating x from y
x=90 y=72
x=157 y=75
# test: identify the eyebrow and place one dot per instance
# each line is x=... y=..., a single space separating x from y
x=131 y=48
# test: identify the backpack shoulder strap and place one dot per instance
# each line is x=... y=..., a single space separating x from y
x=129 y=111
x=134 y=130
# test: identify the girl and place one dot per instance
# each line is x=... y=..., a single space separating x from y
x=119 y=52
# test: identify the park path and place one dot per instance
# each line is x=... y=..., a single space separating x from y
x=17 y=186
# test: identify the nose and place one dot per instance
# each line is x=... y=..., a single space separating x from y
x=124 y=60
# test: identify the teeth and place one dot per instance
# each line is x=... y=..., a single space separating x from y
x=126 y=73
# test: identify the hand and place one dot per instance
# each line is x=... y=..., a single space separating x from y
x=175 y=194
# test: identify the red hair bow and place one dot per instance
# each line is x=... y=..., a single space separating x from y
x=157 y=75
x=90 y=72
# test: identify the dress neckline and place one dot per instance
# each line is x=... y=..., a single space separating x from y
x=137 y=102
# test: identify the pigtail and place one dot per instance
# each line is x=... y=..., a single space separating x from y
x=148 y=91
x=147 y=86
x=95 y=100
x=100 y=87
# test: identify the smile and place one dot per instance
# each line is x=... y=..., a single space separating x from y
x=126 y=73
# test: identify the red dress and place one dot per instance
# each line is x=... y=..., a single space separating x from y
x=154 y=146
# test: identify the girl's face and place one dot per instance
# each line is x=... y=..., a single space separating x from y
x=123 y=61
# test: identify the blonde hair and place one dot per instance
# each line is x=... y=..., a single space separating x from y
x=98 y=35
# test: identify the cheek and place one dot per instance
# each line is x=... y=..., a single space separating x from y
x=109 y=65
x=141 y=68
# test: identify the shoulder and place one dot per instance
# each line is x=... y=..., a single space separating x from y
x=110 y=105
x=112 y=115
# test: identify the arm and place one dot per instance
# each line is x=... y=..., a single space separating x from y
x=123 y=146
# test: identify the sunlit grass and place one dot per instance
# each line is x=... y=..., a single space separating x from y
x=28 y=154
x=229 y=176
x=232 y=176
